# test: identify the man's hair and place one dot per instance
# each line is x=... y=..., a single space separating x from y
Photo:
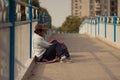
x=39 y=28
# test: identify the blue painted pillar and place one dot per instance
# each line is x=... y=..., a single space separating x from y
x=45 y=16
x=38 y=15
x=95 y=26
x=30 y=18
x=87 y=24
x=98 y=24
x=115 y=18
x=11 y=18
x=105 y=22
x=91 y=26
x=49 y=22
x=40 y=19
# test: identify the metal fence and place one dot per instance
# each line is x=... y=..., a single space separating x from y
x=16 y=32
x=107 y=27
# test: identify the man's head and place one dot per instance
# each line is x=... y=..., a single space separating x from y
x=40 y=29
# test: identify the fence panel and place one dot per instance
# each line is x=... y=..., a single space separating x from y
x=22 y=49
x=102 y=30
x=4 y=41
x=4 y=53
x=118 y=34
x=110 y=32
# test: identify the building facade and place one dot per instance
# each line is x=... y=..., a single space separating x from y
x=118 y=7
x=115 y=7
x=83 y=8
x=75 y=7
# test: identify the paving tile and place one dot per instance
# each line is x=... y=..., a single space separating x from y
x=91 y=60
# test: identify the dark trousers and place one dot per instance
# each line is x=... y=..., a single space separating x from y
x=50 y=53
x=55 y=50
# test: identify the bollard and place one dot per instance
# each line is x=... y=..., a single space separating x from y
x=114 y=21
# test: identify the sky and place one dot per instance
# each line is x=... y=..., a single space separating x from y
x=58 y=9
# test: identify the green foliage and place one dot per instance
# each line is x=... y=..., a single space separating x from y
x=54 y=28
x=44 y=10
x=71 y=24
x=26 y=1
x=35 y=3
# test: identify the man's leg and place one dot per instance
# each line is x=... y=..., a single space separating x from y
x=50 y=53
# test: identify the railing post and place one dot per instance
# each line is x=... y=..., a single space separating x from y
x=91 y=26
x=30 y=18
x=45 y=15
x=114 y=19
x=40 y=17
x=12 y=38
x=87 y=25
x=105 y=22
x=98 y=24
x=95 y=26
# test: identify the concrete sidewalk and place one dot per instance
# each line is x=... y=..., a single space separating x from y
x=92 y=60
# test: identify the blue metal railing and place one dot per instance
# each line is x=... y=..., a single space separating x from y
x=98 y=24
x=14 y=19
x=115 y=17
x=104 y=21
x=12 y=38
x=30 y=18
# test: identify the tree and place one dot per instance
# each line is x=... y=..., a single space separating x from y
x=71 y=24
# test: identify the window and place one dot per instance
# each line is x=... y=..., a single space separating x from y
x=112 y=3
x=75 y=0
x=91 y=7
x=98 y=12
x=75 y=13
x=112 y=9
x=76 y=4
